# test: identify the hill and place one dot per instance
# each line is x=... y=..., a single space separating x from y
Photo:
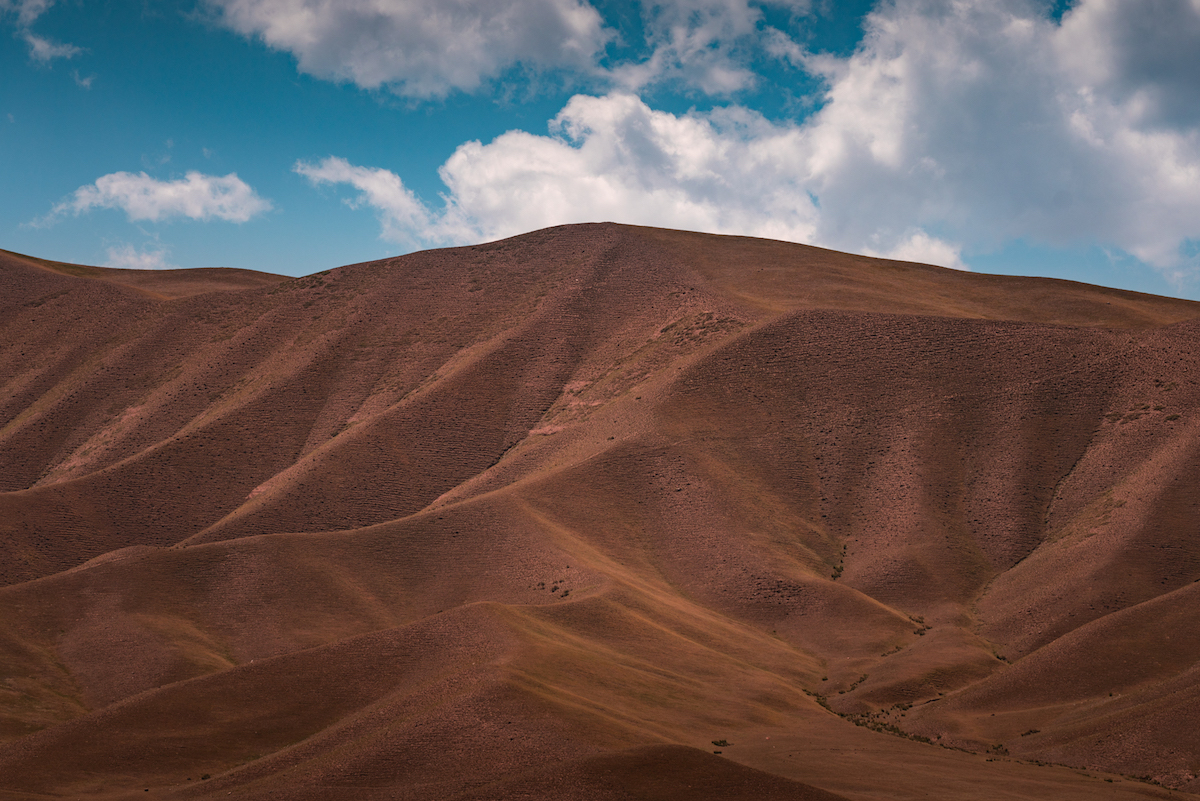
x=567 y=510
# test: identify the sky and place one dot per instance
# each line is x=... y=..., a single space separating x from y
x=1027 y=137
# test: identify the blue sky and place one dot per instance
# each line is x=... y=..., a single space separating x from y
x=1014 y=136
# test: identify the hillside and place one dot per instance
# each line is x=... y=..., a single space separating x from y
x=551 y=515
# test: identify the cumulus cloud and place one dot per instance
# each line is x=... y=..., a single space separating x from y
x=923 y=248
x=147 y=258
x=608 y=158
x=1142 y=55
x=614 y=158
x=953 y=128
x=978 y=118
x=701 y=43
x=196 y=196
x=421 y=48
x=427 y=48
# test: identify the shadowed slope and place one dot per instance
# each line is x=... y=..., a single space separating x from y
x=458 y=522
x=654 y=773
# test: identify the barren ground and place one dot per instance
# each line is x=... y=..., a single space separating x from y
x=554 y=516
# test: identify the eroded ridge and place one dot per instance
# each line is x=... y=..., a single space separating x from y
x=579 y=509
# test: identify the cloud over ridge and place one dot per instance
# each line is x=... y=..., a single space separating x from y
x=978 y=119
x=607 y=158
x=128 y=257
x=948 y=131
x=403 y=217
x=952 y=126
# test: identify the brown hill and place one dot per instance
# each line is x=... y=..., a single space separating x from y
x=555 y=515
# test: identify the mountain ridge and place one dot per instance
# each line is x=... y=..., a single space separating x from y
x=704 y=487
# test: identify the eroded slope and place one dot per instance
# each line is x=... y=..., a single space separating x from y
x=449 y=523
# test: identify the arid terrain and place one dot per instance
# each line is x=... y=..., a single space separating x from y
x=597 y=512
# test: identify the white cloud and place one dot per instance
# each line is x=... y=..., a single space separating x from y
x=147 y=258
x=923 y=248
x=614 y=158
x=428 y=48
x=705 y=44
x=1142 y=55
x=40 y=48
x=697 y=42
x=404 y=218
x=421 y=48
x=976 y=118
x=610 y=158
x=44 y=50
x=954 y=127
x=27 y=11
x=196 y=196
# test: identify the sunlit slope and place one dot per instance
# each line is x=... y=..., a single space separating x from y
x=158 y=284
x=457 y=522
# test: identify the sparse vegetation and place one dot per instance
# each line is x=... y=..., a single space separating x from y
x=687 y=590
x=887 y=728
x=840 y=566
x=854 y=686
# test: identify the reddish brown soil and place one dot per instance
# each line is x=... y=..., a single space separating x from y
x=548 y=517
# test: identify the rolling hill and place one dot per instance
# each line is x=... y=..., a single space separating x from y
x=597 y=512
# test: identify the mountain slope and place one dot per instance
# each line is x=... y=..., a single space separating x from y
x=458 y=522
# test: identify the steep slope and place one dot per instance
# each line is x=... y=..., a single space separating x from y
x=456 y=523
